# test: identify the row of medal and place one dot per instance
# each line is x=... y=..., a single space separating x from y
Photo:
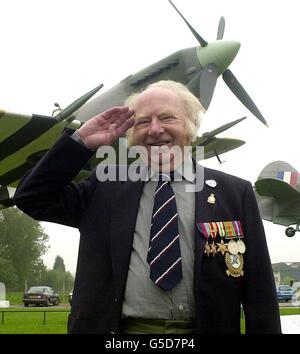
x=232 y=250
x=233 y=247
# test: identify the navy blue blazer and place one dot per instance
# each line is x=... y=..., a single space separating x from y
x=105 y=213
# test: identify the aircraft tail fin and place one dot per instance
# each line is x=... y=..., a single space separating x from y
x=278 y=180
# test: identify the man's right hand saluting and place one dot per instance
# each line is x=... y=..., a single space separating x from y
x=106 y=127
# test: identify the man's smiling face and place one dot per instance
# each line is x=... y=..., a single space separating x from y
x=160 y=124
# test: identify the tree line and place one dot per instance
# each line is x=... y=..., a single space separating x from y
x=23 y=243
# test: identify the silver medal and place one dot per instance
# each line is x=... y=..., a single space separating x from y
x=232 y=247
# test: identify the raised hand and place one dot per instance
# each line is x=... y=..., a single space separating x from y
x=106 y=127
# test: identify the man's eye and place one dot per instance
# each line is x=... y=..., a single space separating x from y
x=142 y=122
x=168 y=118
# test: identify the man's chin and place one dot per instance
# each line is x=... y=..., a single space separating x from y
x=163 y=159
x=162 y=163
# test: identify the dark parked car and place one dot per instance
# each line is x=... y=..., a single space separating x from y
x=285 y=293
x=40 y=295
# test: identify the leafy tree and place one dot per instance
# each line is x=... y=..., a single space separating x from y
x=61 y=281
x=288 y=280
x=58 y=278
x=59 y=264
x=23 y=242
x=8 y=274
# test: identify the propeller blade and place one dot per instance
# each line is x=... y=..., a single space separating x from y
x=208 y=80
x=208 y=137
x=203 y=84
x=221 y=28
x=232 y=82
x=223 y=128
x=77 y=104
x=200 y=40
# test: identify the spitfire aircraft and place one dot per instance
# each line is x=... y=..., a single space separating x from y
x=24 y=139
x=278 y=195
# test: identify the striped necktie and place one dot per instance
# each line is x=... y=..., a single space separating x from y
x=164 y=250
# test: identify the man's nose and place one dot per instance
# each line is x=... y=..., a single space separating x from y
x=155 y=128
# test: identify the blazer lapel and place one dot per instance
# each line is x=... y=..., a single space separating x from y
x=123 y=219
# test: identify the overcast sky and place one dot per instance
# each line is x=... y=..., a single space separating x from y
x=54 y=51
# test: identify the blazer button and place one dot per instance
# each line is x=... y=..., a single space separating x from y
x=116 y=300
x=112 y=332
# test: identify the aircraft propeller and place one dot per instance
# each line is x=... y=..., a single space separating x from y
x=207 y=87
x=221 y=28
x=201 y=41
x=208 y=136
x=234 y=85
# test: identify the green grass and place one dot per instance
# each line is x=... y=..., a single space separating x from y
x=14 y=297
x=17 y=321
x=31 y=320
x=290 y=311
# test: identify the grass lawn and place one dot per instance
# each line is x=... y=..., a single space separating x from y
x=290 y=311
x=14 y=297
x=17 y=321
x=31 y=320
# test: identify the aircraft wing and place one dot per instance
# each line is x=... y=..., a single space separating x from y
x=266 y=206
x=278 y=189
x=217 y=146
x=279 y=180
x=24 y=139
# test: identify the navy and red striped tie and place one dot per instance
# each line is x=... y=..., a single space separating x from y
x=164 y=249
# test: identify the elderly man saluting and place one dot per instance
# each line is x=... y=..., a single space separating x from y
x=156 y=255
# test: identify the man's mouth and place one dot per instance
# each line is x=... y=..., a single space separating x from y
x=161 y=143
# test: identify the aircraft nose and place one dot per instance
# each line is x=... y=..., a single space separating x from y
x=220 y=52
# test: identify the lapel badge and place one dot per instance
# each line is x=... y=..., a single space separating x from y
x=211 y=183
x=211 y=199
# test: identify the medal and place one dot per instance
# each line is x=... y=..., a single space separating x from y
x=213 y=234
x=207 y=249
x=241 y=246
x=213 y=249
x=221 y=228
x=234 y=264
x=233 y=247
x=229 y=229
x=206 y=232
x=222 y=247
x=238 y=228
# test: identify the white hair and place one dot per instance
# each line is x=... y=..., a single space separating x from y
x=192 y=105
